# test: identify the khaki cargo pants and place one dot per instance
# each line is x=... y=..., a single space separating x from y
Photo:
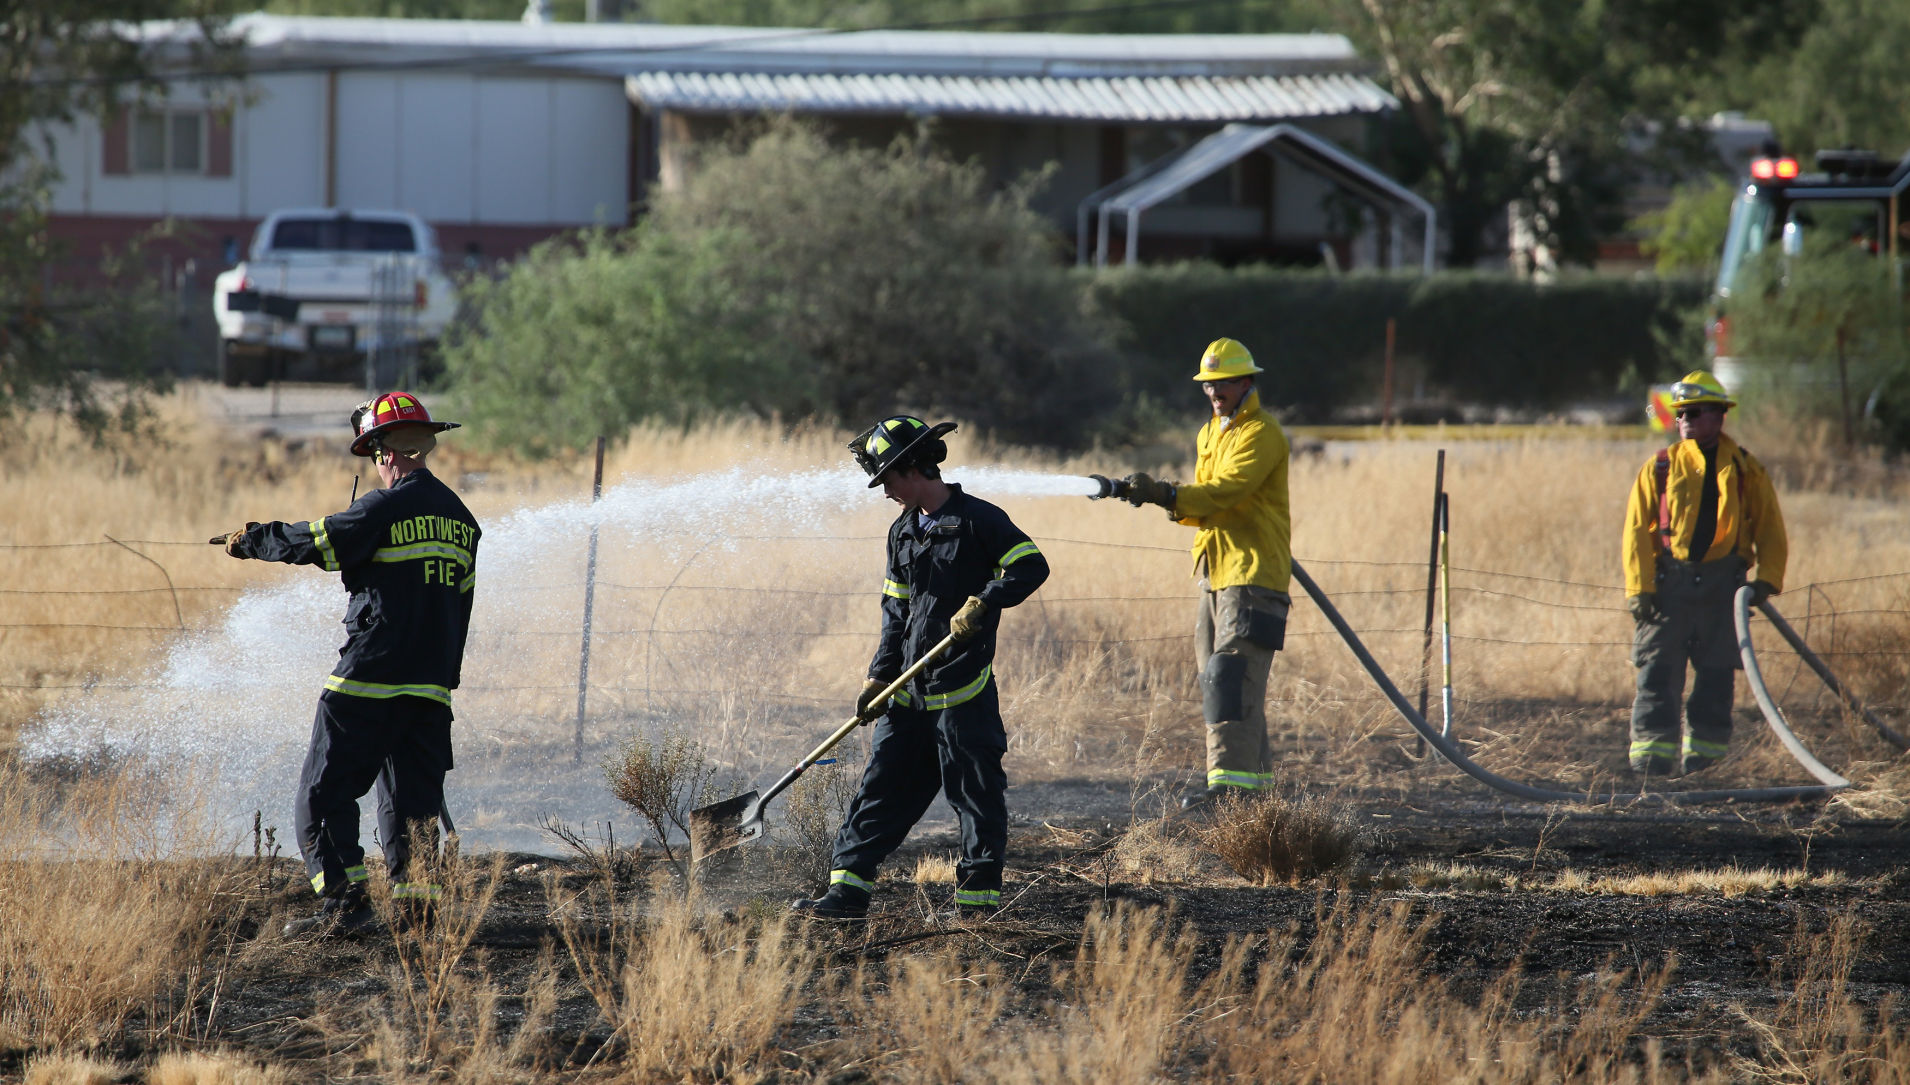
x=1695 y=628
x=1236 y=633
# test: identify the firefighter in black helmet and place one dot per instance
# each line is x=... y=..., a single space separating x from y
x=955 y=562
x=408 y=556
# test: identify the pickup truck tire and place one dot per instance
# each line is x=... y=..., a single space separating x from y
x=262 y=368
x=229 y=364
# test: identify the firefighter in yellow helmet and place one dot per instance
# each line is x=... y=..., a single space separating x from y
x=1237 y=505
x=1702 y=515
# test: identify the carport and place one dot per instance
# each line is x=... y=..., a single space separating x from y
x=1171 y=174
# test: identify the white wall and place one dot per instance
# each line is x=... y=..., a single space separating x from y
x=453 y=147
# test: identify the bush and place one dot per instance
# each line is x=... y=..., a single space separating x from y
x=1472 y=337
x=797 y=278
x=1268 y=838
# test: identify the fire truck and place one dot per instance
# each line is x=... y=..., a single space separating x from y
x=1851 y=194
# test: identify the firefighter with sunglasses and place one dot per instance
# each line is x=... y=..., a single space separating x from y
x=407 y=554
x=1702 y=520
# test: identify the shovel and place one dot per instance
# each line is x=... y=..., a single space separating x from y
x=726 y=824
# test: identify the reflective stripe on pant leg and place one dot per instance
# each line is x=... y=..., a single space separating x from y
x=978 y=898
x=898 y=784
x=851 y=879
x=353 y=876
x=1226 y=778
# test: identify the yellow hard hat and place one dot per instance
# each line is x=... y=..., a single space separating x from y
x=1699 y=386
x=1226 y=359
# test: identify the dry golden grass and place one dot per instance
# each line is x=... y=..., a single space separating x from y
x=72 y=1070
x=757 y=625
x=201 y=1068
x=101 y=921
x=685 y=1001
x=1728 y=881
x=104 y=927
x=934 y=869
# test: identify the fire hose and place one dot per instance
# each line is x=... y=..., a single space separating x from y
x=1451 y=751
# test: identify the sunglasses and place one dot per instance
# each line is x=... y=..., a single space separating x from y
x=1689 y=413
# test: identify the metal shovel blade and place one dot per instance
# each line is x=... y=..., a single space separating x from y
x=725 y=824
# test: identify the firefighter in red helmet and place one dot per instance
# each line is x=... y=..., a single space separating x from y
x=408 y=555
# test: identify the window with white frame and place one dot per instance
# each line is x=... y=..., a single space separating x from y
x=168 y=141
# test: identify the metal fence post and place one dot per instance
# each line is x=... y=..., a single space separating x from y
x=590 y=598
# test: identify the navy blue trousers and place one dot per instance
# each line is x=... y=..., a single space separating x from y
x=913 y=755
x=402 y=746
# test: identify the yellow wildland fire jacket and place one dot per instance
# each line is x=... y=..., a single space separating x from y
x=1238 y=500
x=1750 y=524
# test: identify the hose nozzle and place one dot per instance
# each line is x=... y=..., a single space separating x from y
x=1110 y=487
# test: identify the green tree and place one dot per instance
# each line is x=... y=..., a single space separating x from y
x=799 y=278
x=60 y=59
x=1822 y=331
x=1688 y=234
x=1534 y=101
x=1842 y=84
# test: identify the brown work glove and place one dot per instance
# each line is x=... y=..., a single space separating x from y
x=231 y=539
x=1760 y=591
x=968 y=621
x=1144 y=489
x=1644 y=607
x=866 y=706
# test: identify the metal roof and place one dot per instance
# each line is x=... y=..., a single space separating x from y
x=1187 y=99
x=616 y=49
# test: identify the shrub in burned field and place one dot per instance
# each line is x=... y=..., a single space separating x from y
x=818 y=804
x=1271 y=837
x=662 y=779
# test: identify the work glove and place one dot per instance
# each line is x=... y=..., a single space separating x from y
x=968 y=621
x=1644 y=607
x=231 y=539
x=1760 y=591
x=865 y=704
x=1143 y=489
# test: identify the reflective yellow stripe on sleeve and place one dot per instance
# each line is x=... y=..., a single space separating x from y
x=323 y=540
x=896 y=590
x=1018 y=553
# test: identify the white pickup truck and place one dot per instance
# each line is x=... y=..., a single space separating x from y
x=331 y=293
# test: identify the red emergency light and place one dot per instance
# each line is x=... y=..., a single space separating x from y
x=1773 y=169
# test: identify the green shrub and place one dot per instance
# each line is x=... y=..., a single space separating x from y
x=794 y=277
x=1467 y=336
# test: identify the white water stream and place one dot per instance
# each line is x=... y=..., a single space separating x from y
x=231 y=707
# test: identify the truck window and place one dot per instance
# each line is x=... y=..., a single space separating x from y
x=343 y=235
x=1745 y=237
x=1856 y=222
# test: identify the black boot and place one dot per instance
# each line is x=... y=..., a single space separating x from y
x=840 y=902
x=350 y=913
x=1202 y=798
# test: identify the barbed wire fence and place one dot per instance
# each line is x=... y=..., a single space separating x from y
x=1814 y=606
